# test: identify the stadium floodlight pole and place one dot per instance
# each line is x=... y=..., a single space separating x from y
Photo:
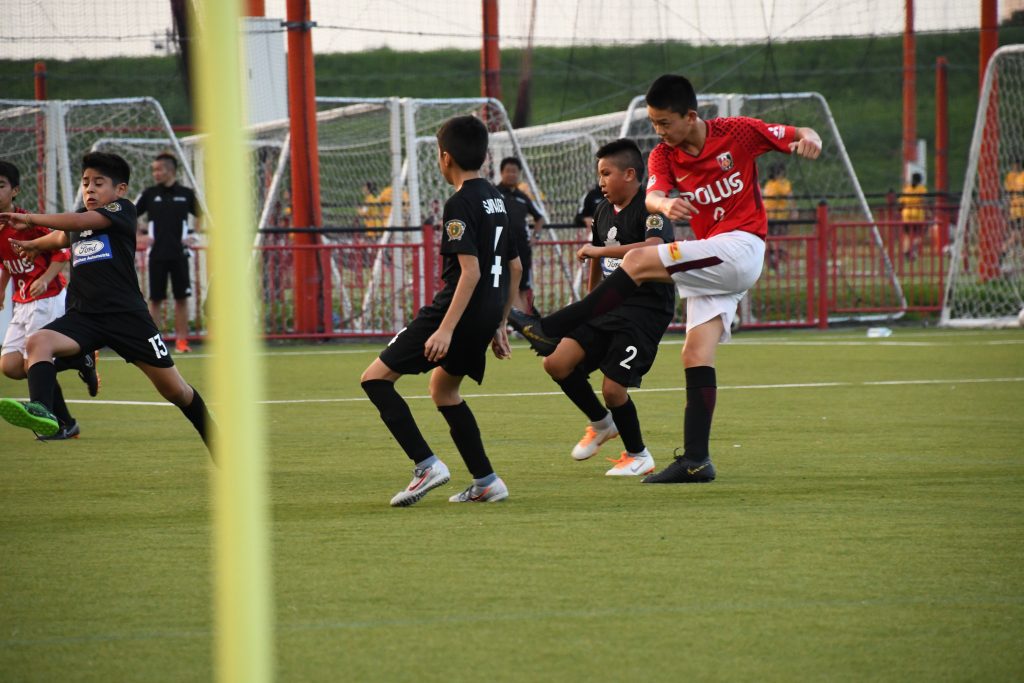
x=243 y=605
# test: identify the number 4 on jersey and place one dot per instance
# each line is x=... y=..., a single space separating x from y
x=496 y=268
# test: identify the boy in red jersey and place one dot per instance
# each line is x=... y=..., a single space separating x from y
x=37 y=299
x=712 y=166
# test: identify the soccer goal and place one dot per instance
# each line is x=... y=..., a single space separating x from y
x=985 y=284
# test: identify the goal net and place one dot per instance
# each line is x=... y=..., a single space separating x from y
x=985 y=284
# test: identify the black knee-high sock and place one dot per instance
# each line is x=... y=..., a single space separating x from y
x=466 y=435
x=628 y=424
x=579 y=391
x=60 y=408
x=397 y=417
x=612 y=291
x=701 y=394
x=199 y=416
x=42 y=378
x=70 y=362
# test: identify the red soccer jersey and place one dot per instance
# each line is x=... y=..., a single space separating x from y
x=721 y=181
x=24 y=271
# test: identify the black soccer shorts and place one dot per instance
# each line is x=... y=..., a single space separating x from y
x=132 y=335
x=624 y=352
x=181 y=285
x=467 y=355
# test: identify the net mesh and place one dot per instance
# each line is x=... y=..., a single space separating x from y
x=985 y=286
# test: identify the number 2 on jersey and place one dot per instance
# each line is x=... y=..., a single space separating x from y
x=496 y=268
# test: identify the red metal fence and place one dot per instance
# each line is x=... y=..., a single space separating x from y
x=815 y=271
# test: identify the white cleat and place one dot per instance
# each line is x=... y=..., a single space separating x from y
x=632 y=465
x=592 y=440
x=423 y=481
x=487 y=494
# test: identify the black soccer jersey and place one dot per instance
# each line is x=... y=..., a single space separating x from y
x=476 y=222
x=103 y=278
x=168 y=209
x=519 y=206
x=630 y=225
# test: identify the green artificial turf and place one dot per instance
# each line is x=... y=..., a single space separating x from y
x=867 y=523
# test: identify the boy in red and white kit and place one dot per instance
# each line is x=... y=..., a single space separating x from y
x=37 y=298
x=712 y=166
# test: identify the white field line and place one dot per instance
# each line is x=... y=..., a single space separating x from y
x=737 y=387
x=831 y=341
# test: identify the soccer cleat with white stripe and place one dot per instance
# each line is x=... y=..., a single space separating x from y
x=494 y=492
x=424 y=480
x=632 y=465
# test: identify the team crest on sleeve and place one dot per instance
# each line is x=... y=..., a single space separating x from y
x=651 y=181
x=113 y=207
x=655 y=222
x=455 y=229
x=673 y=251
x=725 y=161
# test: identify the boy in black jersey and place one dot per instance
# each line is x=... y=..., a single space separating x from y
x=623 y=342
x=104 y=304
x=449 y=337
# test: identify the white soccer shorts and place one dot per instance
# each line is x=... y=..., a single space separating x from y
x=713 y=274
x=30 y=317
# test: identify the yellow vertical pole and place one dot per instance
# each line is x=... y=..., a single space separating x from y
x=243 y=605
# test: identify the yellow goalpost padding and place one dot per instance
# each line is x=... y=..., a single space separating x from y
x=243 y=603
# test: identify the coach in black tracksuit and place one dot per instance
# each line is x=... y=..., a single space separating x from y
x=168 y=205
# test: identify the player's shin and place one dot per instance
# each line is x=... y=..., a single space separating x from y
x=579 y=391
x=397 y=417
x=701 y=395
x=628 y=422
x=42 y=378
x=199 y=416
x=466 y=435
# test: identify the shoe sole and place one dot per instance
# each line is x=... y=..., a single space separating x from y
x=627 y=473
x=17 y=415
x=418 y=496
x=588 y=457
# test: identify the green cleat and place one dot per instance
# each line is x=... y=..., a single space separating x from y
x=32 y=416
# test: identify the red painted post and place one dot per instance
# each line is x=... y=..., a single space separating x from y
x=255 y=8
x=429 y=277
x=941 y=151
x=909 y=90
x=305 y=163
x=989 y=183
x=490 y=59
x=821 y=230
x=39 y=81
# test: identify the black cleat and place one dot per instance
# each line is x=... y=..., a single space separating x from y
x=529 y=326
x=683 y=471
x=91 y=375
x=70 y=432
x=34 y=416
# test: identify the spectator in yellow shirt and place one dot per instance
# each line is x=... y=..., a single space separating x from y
x=912 y=213
x=779 y=205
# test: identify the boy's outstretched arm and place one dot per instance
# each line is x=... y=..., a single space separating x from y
x=51 y=242
x=437 y=345
x=807 y=143
x=67 y=222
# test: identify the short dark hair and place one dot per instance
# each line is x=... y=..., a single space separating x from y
x=916 y=178
x=11 y=172
x=166 y=156
x=110 y=165
x=510 y=160
x=465 y=139
x=624 y=153
x=672 y=92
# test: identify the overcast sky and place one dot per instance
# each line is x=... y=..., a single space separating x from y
x=59 y=29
